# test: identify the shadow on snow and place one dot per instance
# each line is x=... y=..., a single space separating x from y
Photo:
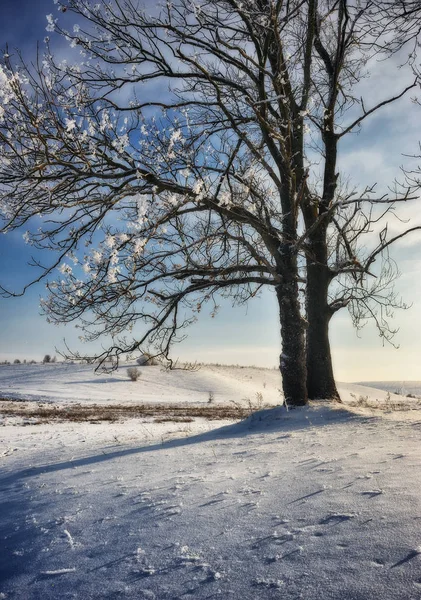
x=265 y=421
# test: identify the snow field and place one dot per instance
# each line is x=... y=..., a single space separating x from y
x=78 y=383
x=312 y=503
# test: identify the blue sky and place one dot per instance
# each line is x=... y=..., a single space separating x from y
x=244 y=335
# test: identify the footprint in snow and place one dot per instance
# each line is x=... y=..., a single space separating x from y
x=377 y=562
x=336 y=518
x=146 y=595
x=211 y=502
x=268 y=583
x=372 y=493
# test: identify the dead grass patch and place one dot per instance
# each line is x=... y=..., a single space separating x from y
x=93 y=413
x=388 y=404
x=174 y=420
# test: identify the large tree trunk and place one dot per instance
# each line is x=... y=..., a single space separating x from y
x=320 y=380
x=293 y=357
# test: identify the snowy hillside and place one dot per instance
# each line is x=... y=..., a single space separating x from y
x=314 y=503
x=62 y=383
x=79 y=383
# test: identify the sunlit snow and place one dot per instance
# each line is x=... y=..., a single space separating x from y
x=314 y=503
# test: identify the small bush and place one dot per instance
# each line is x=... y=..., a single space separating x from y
x=247 y=407
x=147 y=360
x=391 y=404
x=46 y=359
x=133 y=373
x=16 y=361
x=363 y=401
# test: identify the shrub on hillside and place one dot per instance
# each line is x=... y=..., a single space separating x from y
x=46 y=359
x=147 y=360
x=133 y=373
x=16 y=361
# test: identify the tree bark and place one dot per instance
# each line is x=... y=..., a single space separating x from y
x=320 y=380
x=293 y=357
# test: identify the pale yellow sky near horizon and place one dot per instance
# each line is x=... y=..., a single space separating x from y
x=250 y=336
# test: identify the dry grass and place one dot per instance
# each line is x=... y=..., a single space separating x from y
x=174 y=420
x=388 y=404
x=179 y=413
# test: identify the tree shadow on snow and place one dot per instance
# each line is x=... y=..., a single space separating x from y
x=270 y=420
x=20 y=535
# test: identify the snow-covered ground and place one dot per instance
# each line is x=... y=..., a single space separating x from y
x=62 y=382
x=314 y=503
x=400 y=387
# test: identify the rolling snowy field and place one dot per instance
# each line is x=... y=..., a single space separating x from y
x=315 y=503
x=402 y=387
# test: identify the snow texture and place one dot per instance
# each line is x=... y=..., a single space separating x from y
x=321 y=502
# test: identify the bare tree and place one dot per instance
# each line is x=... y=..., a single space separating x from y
x=207 y=199
x=338 y=268
x=172 y=164
x=400 y=34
